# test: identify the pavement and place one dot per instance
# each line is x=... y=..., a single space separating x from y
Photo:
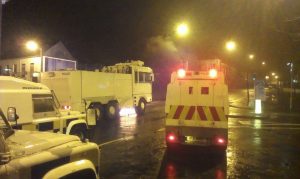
x=276 y=104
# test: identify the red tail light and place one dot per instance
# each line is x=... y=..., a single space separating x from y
x=171 y=137
x=220 y=141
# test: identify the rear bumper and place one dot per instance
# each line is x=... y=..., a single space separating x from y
x=197 y=136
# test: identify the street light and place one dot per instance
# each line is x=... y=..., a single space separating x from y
x=263 y=63
x=251 y=56
x=182 y=30
x=34 y=46
x=273 y=74
x=230 y=46
x=267 y=77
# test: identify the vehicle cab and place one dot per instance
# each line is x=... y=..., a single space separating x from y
x=38 y=109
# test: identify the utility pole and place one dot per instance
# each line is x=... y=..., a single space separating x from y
x=1 y=26
x=248 y=95
x=291 y=86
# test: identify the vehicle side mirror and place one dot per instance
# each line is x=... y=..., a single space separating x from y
x=12 y=114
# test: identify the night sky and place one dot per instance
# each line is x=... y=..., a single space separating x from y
x=111 y=31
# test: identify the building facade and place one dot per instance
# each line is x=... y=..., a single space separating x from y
x=29 y=68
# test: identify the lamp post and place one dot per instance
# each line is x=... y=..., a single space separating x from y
x=251 y=57
x=182 y=30
x=291 y=65
x=34 y=46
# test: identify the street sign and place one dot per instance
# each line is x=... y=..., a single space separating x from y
x=259 y=90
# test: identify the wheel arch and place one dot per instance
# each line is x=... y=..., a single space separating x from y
x=80 y=122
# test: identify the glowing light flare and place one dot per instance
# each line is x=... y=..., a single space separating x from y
x=182 y=30
x=251 y=56
x=29 y=146
x=221 y=141
x=171 y=138
x=181 y=73
x=80 y=162
x=276 y=77
x=230 y=45
x=66 y=107
x=213 y=73
x=267 y=77
x=127 y=112
x=258 y=106
x=32 y=45
x=263 y=63
x=35 y=74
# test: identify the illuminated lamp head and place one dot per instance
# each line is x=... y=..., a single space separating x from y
x=213 y=73
x=181 y=73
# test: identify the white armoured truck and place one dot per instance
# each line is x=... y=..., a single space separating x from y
x=197 y=108
x=113 y=91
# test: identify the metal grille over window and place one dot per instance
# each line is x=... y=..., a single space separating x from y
x=42 y=103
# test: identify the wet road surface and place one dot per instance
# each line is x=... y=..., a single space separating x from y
x=258 y=148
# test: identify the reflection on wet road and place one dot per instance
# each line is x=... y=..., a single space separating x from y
x=134 y=147
x=192 y=163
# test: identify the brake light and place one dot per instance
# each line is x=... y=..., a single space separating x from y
x=181 y=73
x=213 y=73
x=171 y=137
x=220 y=141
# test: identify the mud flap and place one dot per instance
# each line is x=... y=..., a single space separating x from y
x=91 y=117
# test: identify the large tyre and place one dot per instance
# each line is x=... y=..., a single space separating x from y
x=99 y=111
x=112 y=110
x=141 y=108
x=80 y=131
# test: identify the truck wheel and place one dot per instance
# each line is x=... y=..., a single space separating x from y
x=141 y=108
x=79 y=131
x=99 y=111
x=112 y=110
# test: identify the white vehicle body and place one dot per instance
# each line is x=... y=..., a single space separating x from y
x=197 y=108
x=37 y=109
x=116 y=88
x=33 y=154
